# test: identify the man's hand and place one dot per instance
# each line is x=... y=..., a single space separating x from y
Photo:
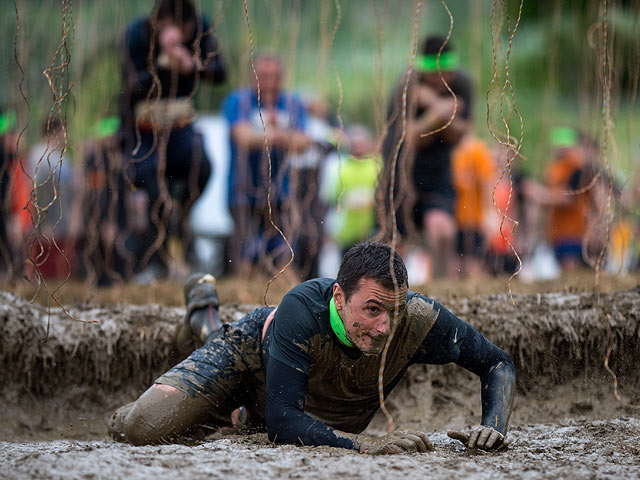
x=481 y=436
x=173 y=54
x=397 y=442
x=425 y=95
x=443 y=108
x=297 y=142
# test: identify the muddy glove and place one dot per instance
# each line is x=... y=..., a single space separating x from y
x=481 y=436
x=397 y=442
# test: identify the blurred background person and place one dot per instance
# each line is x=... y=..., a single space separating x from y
x=51 y=173
x=474 y=175
x=424 y=164
x=567 y=205
x=14 y=195
x=284 y=116
x=104 y=211
x=176 y=48
x=304 y=217
x=630 y=205
x=504 y=239
x=353 y=185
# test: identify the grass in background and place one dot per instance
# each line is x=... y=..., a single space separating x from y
x=552 y=63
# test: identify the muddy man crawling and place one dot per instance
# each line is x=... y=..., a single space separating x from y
x=308 y=370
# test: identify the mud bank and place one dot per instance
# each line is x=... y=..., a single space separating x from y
x=555 y=336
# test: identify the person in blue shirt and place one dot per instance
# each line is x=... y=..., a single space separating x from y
x=307 y=371
x=281 y=117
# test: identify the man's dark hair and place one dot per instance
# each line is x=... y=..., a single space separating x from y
x=181 y=11
x=370 y=260
x=432 y=44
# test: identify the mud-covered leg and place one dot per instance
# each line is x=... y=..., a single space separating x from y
x=161 y=414
x=206 y=387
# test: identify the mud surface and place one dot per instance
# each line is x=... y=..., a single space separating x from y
x=570 y=449
x=56 y=395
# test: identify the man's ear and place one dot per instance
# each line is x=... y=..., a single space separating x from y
x=338 y=296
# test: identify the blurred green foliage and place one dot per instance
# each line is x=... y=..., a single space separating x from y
x=553 y=65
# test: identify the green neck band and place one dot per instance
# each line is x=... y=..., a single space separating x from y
x=429 y=63
x=7 y=121
x=337 y=325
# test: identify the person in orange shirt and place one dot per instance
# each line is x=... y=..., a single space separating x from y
x=474 y=170
x=568 y=206
x=507 y=193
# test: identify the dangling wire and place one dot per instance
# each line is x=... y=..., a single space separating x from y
x=394 y=160
x=444 y=81
x=512 y=149
x=266 y=147
x=17 y=36
x=378 y=97
x=606 y=72
x=336 y=25
x=60 y=85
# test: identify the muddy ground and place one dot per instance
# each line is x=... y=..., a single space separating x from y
x=568 y=449
x=566 y=423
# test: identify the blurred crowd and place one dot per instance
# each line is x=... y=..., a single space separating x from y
x=297 y=182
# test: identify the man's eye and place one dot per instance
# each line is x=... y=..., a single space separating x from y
x=374 y=309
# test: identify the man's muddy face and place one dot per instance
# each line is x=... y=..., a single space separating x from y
x=367 y=315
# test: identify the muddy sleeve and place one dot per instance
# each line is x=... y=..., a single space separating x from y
x=291 y=334
x=451 y=339
x=284 y=410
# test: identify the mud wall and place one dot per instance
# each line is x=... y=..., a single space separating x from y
x=560 y=336
x=556 y=336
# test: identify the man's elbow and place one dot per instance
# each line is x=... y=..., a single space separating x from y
x=505 y=371
x=273 y=429
x=278 y=428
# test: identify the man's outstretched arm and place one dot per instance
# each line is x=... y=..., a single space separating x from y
x=454 y=340
x=287 y=422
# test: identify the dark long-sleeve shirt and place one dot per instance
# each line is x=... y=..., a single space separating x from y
x=316 y=385
x=137 y=75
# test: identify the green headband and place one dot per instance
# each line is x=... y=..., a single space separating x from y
x=105 y=127
x=7 y=121
x=337 y=325
x=563 y=137
x=429 y=63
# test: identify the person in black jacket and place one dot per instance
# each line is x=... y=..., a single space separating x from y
x=308 y=370
x=163 y=58
x=438 y=115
